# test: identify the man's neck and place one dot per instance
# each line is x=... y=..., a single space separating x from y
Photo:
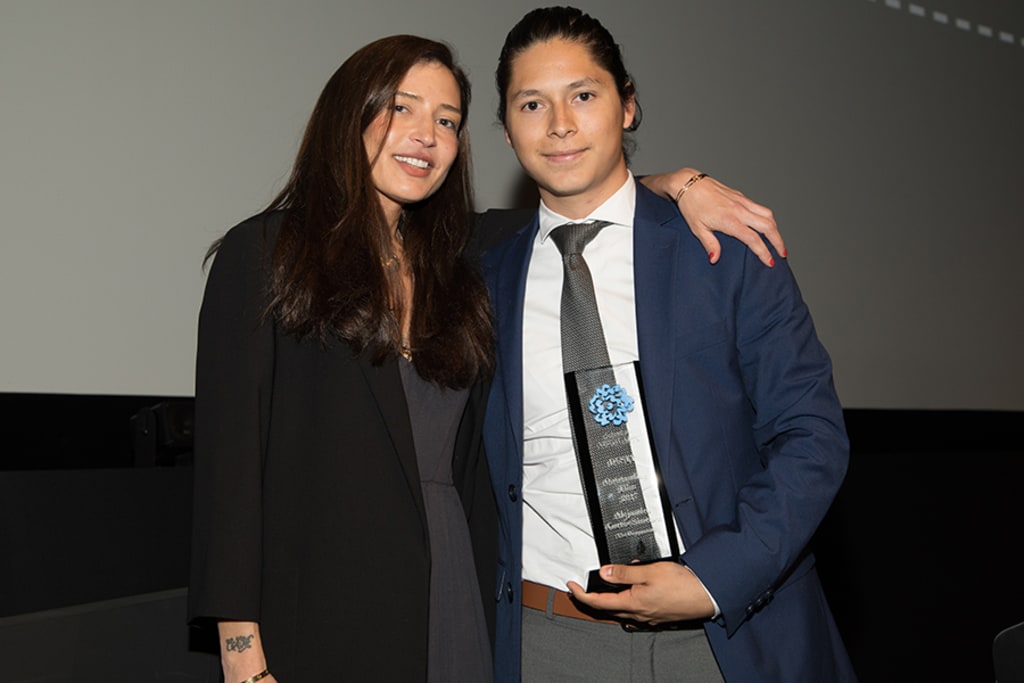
x=577 y=206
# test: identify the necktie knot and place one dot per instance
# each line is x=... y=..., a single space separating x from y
x=573 y=238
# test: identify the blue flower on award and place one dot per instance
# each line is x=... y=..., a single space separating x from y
x=609 y=404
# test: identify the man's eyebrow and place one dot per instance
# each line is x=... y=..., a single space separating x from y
x=413 y=96
x=531 y=92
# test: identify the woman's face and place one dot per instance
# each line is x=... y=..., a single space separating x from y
x=411 y=158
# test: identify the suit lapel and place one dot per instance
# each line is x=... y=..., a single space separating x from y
x=655 y=244
x=510 y=263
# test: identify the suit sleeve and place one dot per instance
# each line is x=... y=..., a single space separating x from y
x=233 y=380
x=800 y=441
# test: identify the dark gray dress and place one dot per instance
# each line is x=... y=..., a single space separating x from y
x=458 y=647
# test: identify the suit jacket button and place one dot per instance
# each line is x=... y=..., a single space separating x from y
x=510 y=595
x=512 y=495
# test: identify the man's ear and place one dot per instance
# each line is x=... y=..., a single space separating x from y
x=628 y=111
x=507 y=138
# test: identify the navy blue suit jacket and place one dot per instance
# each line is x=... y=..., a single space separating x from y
x=747 y=426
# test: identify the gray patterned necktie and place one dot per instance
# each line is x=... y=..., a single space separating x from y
x=584 y=348
x=583 y=344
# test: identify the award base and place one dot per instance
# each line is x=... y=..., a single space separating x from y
x=595 y=584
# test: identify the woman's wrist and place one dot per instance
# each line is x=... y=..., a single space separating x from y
x=242 y=657
x=690 y=182
x=245 y=673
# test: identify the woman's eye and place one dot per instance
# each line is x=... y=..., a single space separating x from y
x=447 y=123
x=401 y=108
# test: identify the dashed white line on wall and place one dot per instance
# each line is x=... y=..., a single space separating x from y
x=961 y=23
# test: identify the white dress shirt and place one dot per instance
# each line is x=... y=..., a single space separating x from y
x=558 y=543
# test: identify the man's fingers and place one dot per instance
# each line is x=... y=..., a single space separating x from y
x=576 y=590
x=624 y=573
x=616 y=604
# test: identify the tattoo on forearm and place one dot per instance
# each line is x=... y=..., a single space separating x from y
x=238 y=644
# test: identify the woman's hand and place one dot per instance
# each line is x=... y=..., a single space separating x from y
x=709 y=207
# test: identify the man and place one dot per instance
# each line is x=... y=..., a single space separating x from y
x=737 y=389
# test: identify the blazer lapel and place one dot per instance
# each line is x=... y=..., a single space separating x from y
x=385 y=382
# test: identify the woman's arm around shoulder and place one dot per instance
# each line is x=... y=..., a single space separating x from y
x=709 y=207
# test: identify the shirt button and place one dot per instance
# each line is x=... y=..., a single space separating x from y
x=512 y=495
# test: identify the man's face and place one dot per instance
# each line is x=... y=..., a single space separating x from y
x=565 y=120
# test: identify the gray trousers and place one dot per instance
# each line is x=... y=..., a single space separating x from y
x=557 y=648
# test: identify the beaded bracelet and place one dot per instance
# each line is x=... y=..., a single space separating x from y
x=261 y=675
x=694 y=179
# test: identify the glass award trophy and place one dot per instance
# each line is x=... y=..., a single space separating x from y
x=630 y=514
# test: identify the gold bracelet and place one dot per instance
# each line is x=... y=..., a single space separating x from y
x=260 y=676
x=694 y=179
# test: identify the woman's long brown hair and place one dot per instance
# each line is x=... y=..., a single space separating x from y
x=328 y=276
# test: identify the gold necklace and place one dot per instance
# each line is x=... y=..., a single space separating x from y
x=394 y=262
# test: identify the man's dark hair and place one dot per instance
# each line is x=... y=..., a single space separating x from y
x=571 y=24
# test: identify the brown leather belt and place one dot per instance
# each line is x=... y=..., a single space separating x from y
x=535 y=596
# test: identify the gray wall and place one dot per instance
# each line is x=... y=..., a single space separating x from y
x=886 y=138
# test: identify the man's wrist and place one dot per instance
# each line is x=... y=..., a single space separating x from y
x=714 y=603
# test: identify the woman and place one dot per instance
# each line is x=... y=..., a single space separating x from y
x=343 y=344
x=344 y=526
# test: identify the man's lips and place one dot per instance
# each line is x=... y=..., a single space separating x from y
x=561 y=156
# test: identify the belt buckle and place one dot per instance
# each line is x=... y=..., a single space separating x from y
x=630 y=626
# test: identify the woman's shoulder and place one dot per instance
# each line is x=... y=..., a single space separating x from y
x=256 y=232
x=248 y=244
x=241 y=259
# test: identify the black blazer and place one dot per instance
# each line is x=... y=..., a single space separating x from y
x=308 y=514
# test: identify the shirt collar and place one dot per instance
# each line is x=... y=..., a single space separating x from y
x=617 y=209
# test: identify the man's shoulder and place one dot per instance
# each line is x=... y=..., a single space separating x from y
x=653 y=206
x=494 y=226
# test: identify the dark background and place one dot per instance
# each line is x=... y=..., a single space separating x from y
x=917 y=554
